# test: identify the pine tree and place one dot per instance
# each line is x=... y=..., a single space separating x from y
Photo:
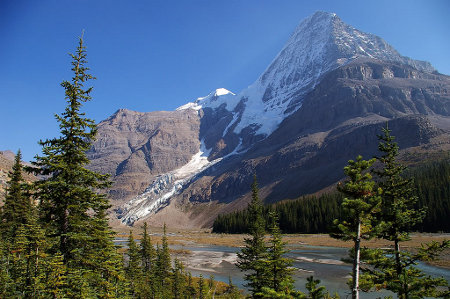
x=278 y=266
x=201 y=287
x=314 y=290
x=148 y=257
x=359 y=205
x=178 y=285
x=17 y=208
x=73 y=211
x=164 y=264
x=398 y=214
x=148 y=253
x=190 y=290
x=395 y=269
x=252 y=256
x=133 y=270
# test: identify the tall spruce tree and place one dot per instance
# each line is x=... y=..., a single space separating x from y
x=165 y=266
x=398 y=214
x=179 y=280
x=71 y=207
x=278 y=266
x=148 y=253
x=395 y=269
x=133 y=269
x=359 y=205
x=148 y=257
x=17 y=208
x=252 y=257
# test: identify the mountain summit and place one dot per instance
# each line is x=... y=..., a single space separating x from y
x=320 y=43
x=320 y=102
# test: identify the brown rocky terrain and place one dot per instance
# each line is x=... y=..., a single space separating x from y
x=134 y=147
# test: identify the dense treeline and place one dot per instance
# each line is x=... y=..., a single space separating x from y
x=432 y=184
x=309 y=214
x=312 y=214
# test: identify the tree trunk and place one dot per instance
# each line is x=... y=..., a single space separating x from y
x=398 y=268
x=355 y=288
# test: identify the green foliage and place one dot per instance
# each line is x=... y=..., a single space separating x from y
x=133 y=269
x=278 y=266
x=308 y=214
x=17 y=207
x=397 y=213
x=179 y=280
x=202 y=291
x=359 y=207
x=190 y=290
x=254 y=253
x=394 y=269
x=431 y=184
x=148 y=252
x=412 y=282
x=71 y=208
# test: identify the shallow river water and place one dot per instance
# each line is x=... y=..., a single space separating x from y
x=323 y=263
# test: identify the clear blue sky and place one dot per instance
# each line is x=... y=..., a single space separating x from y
x=157 y=55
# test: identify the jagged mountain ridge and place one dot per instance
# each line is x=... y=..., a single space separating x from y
x=329 y=87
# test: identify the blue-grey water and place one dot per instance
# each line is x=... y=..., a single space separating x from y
x=323 y=263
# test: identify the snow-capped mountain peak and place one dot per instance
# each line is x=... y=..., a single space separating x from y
x=319 y=44
x=213 y=100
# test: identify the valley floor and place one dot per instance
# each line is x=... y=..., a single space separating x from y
x=205 y=238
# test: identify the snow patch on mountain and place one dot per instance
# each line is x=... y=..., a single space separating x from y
x=160 y=191
x=214 y=100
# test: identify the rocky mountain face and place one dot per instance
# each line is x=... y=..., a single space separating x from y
x=321 y=102
x=135 y=147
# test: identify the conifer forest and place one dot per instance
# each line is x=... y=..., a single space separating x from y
x=56 y=241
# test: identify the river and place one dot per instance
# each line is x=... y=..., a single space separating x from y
x=323 y=263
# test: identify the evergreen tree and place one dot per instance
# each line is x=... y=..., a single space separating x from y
x=148 y=256
x=178 y=286
x=201 y=287
x=315 y=291
x=163 y=265
x=148 y=253
x=133 y=270
x=278 y=266
x=252 y=256
x=395 y=269
x=71 y=208
x=17 y=208
x=359 y=206
x=165 y=262
x=397 y=214
x=190 y=291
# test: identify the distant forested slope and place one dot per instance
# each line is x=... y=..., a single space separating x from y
x=312 y=214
